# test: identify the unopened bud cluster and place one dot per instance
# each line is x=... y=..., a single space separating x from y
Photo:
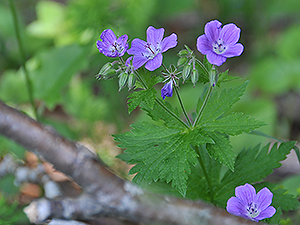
x=188 y=61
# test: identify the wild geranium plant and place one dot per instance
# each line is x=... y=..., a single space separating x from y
x=184 y=153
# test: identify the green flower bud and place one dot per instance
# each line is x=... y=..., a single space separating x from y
x=131 y=81
x=194 y=76
x=186 y=71
x=181 y=61
x=182 y=53
x=212 y=76
x=123 y=77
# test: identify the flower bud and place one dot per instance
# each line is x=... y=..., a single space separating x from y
x=123 y=77
x=186 y=71
x=182 y=53
x=105 y=68
x=181 y=61
x=194 y=76
x=131 y=81
x=212 y=76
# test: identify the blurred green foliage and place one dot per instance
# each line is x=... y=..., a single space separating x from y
x=62 y=58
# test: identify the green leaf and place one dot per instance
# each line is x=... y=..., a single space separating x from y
x=233 y=124
x=158 y=113
x=198 y=188
x=57 y=66
x=224 y=77
x=161 y=153
x=252 y=165
x=220 y=103
x=137 y=97
x=221 y=150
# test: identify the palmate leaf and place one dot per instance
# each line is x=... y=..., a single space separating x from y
x=220 y=103
x=137 y=97
x=233 y=124
x=198 y=187
x=221 y=149
x=147 y=96
x=161 y=153
x=252 y=165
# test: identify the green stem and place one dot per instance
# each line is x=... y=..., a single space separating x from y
x=171 y=113
x=159 y=102
x=202 y=107
x=205 y=174
x=182 y=106
x=22 y=54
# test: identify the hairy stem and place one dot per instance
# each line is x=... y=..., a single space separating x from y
x=22 y=54
x=182 y=106
x=203 y=107
x=205 y=174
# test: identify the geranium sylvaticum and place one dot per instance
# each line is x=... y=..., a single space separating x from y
x=219 y=43
x=150 y=52
x=112 y=46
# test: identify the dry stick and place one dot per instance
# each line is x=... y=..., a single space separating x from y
x=107 y=194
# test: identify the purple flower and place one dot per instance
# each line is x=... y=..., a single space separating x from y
x=218 y=43
x=167 y=90
x=150 y=52
x=111 y=46
x=250 y=205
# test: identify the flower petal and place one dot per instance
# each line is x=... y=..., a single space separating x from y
x=154 y=63
x=203 y=44
x=234 y=50
x=264 y=198
x=267 y=213
x=215 y=59
x=236 y=207
x=137 y=47
x=168 y=42
x=138 y=61
x=246 y=193
x=154 y=36
x=212 y=30
x=167 y=90
x=127 y=62
x=108 y=36
x=230 y=34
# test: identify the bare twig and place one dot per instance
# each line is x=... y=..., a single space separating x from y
x=105 y=194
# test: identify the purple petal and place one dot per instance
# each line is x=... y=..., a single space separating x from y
x=167 y=90
x=127 y=63
x=108 y=36
x=212 y=30
x=154 y=63
x=215 y=59
x=236 y=207
x=246 y=193
x=137 y=47
x=122 y=41
x=169 y=42
x=154 y=36
x=234 y=50
x=138 y=61
x=203 y=44
x=264 y=198
x=267 y=213
x=230 y=34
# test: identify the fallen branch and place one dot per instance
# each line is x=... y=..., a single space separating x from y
x=104 y=194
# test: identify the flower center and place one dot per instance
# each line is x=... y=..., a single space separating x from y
x=117 y=47
x=219 y=46
x=152 y=51
x=252 y=210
